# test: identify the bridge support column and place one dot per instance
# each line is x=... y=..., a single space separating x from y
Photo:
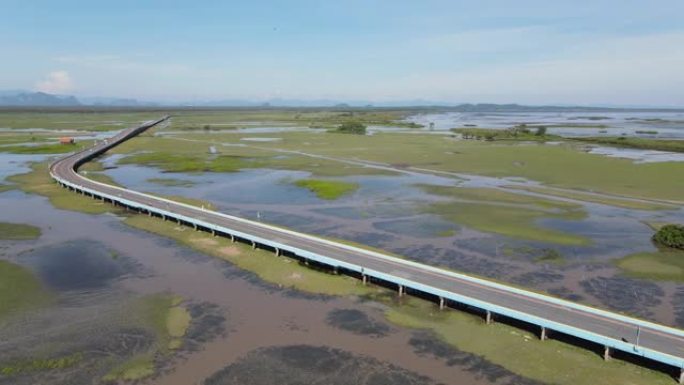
x=253 y=245
x=277 y=251
x=232 y=238
x=213 y=232
x=442 y=303
x=149 y=213
x=488 y=317
x=542 y=334
x=402 y=290
x=606 y=353
x=335 y=270
x=681 y=376
x=364 y=278
x=194 y=226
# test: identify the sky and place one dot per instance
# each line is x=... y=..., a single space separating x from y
x=587 y=52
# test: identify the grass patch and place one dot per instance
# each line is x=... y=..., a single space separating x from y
x=85 y=120
x=641 y=143
x=660 y=265
x=183 y=162
x=593 y=198
x=43 y=148
x=328 y=189
x=137 y=368
x=40 y=364
x=19 y=289
x=565 y=165
x=38 y=181
x=18 y=231
x=280 y=271
x=519 y=351
x=505 y=213
x=171 y=182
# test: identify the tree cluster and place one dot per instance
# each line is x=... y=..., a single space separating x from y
x=670 y=236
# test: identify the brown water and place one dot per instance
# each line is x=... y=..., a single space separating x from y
x=256 y=315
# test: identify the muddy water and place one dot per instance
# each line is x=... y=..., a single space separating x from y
x=100 y=258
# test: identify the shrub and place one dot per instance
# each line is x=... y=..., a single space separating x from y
x=352 y=127
x=670 y=236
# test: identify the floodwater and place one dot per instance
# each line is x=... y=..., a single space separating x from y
x=668 y=125
x=385 y=212
x=96 y=267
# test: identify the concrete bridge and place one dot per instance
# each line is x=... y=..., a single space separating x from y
x=646 y=342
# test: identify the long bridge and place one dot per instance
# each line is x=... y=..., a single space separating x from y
x=605 y=331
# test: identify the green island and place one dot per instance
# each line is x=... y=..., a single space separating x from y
x=169 y=319
x=20 y=289
x=328 y=189
x=18 y=231
x=505 y=213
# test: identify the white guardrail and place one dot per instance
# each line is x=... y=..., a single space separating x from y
x=571 y=330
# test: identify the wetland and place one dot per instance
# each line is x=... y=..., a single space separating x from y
x=97 y=295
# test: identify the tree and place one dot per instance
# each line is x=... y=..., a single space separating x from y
x=352 y=127
x=541 y=131
x=670 y=236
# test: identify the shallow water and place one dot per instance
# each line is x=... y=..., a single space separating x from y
x=243 y=318
x=668 y=124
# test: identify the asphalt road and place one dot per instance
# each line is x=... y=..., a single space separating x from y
x=658 y=339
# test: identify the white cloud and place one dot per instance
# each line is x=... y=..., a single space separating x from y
x=56 y=82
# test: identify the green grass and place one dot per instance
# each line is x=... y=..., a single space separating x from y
x=519 y=351
x=39 y=364
x=600 y=199
x=642 y=143
x=280 y=271
x=38 y=181
x=19 y=289
x=18 y=231
x=44 y=148
x=328 y=189
x=182 y=162
x=171 y=182
x=659 y=266
x=6 y=187
x=87 y=120
x=505 y=213
x=136 y=368
x=566 y=165
x=177 y=155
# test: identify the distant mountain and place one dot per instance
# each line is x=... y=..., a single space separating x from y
x=26 y=98
x=115 y=102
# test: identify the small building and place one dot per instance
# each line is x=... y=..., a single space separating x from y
x=66 y=140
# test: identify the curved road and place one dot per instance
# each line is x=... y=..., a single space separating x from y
x=613 y=330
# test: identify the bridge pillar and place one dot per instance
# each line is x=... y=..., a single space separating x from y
x=606 y=353
x=402 y=290
x=194 y=225
x=335 y=270
x=277 y=251
x=442 y=303
x=488 y=317
x=232 y=238
x=681 y=376
x=213 y=232
x=542 y=335
x=149 y=213
x=364 y=278
x=253 y=245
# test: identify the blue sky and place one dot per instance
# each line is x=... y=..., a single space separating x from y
x=534 y=52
